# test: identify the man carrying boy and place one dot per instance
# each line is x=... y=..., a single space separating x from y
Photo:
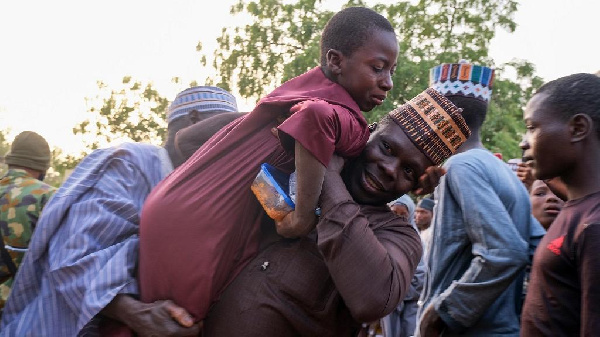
x=357 y=265
x=563 y=138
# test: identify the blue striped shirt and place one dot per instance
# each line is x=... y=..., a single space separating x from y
x=84 y=249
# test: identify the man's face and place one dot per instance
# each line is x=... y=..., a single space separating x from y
x=546 y=144
x=367 y=73
x=388 y=167
x=423 y=218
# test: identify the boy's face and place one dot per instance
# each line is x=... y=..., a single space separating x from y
x=546 y=143
x=367 y=73
x=388 y=167
x=545 y=205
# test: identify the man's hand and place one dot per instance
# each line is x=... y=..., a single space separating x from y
x=524 y=174
x=336 y=164
x=558 y=187
x=431 y=324
x=161 y=318
x=429 y=180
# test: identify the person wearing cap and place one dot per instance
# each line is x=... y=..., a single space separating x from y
x=424 y=213
x=402 y=321
x=483 y=230
x=23 y=195
x=357 y=265
x=81 y=265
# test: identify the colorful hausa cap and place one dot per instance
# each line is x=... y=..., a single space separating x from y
x=433 y=123
x=201 y=99
x=464 y=79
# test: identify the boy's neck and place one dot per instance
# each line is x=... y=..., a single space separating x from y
x=584 y=178
x=327 y=72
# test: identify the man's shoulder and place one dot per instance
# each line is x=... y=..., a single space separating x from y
x=28 y=185
x=476 y=160
x=137 y=153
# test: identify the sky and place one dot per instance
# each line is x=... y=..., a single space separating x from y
x=52 y=53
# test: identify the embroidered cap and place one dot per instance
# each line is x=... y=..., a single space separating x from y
x=464 y=79
x=201 y=99
x=433 y=124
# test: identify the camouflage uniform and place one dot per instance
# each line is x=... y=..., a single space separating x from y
x=22 y=198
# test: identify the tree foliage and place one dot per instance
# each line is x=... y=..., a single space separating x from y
x=135 y=112
x=282 y=41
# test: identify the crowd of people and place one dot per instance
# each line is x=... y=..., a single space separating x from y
x=171 y=241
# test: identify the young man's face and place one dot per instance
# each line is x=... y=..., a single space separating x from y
x=388 y=167
x=367 y=73
x=546 y=143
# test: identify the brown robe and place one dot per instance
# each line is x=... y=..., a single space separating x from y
x=355 y=267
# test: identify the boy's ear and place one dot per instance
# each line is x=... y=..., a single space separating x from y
x=334 y=61
x=580 y=126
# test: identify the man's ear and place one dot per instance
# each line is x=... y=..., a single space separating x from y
x=334 y=61
x=580 y=126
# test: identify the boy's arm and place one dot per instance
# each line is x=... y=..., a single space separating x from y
x=309 y=175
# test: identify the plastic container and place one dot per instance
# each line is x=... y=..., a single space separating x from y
x=271 y=187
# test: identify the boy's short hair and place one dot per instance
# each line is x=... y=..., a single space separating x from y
x=349 y=28
x=574 y=94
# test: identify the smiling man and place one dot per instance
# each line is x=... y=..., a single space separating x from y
x=356 y=266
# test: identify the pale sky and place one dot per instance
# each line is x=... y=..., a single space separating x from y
x=53 y=52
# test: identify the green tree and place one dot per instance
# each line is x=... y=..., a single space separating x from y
x=4 y=148
x=282 y=41
x=135 y=111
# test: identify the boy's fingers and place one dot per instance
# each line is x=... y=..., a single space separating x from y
x=179 y=314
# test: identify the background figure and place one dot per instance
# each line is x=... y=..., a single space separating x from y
x=403 y=320
x=483 y=229
x=81 y=266
x=23 y=195
x=545 y=205
x=563 y=140
x=423 y=217
x=404 y=207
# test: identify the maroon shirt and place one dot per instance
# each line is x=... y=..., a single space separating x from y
x=563 y=296
x=200 y=225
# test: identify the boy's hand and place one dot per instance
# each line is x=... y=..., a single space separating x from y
x=429 y=180
x=290 y=227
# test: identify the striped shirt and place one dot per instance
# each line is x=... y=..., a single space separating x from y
x=84 y=250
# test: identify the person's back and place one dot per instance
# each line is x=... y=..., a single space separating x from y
x=23 y=195
x=482 y=217
x=482 y=226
